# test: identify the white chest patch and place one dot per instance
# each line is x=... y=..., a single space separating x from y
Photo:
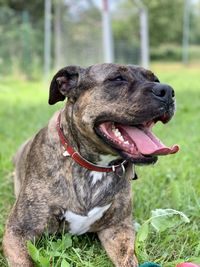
x=81 y=224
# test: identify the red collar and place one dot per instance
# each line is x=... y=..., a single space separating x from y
x=83 y=162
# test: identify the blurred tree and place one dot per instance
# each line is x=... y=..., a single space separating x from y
x=58 y=48
x=81 y=33
x=77 y=32
x=165 y=20
x=34 y=8
x=165 y=26
x=125 y=23
x=195 y=23
x=21 y=47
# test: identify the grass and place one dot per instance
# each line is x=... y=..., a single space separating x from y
x=174 y=182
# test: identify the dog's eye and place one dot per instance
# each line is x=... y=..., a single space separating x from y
x=118 y=78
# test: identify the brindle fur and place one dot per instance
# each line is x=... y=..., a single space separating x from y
x=47 y=184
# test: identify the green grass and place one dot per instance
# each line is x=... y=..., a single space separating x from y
x=174 y=182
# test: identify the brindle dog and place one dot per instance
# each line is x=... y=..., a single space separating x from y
x=110 y=111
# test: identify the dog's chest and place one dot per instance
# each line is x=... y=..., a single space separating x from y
x=79 y=224
x=93 y=189
x=94 y=195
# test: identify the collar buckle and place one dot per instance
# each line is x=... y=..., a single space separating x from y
x=119 y=170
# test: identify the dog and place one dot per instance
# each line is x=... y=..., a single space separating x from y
x=75 y=173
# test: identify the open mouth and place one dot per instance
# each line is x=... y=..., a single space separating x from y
x=137 y=143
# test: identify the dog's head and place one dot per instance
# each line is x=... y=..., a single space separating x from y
x=115 y=107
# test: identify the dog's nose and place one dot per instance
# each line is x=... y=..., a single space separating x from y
x=164 y=92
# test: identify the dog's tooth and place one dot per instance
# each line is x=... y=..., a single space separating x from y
x=113 y=126
x=121 y=138
x=117 y=132
x=126 y=143
x=114 y=130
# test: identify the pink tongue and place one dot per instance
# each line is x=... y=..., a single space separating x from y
x=147 y=143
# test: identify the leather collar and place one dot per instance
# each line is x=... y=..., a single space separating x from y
x=119 y=169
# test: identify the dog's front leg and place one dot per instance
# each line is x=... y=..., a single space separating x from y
x=25 y=222
x=15 y=250
x=118 y=242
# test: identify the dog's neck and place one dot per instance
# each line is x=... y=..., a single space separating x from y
x=82 y=144
x=115 y=163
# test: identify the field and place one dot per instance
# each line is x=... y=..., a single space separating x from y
x=173 y=183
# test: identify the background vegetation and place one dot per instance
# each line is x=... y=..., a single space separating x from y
x=22 y=33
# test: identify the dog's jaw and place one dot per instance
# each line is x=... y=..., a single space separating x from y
x=136 y=143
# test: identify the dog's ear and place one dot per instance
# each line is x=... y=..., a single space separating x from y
x=64 y=84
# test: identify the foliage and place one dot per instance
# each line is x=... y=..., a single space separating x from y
x=19 y=45
x=53 y=254
x=36 y=8
x=125 y=25
x=165 y=21
x=66 y=251
x=195 y=23
x=161 y=220
x=80 y=37
x=171 y=52
x=161 y=29
x=165 y=30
